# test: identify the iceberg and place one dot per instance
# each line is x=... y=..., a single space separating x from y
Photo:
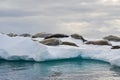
x=24 y=48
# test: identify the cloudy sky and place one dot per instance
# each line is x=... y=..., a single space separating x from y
x=91 y=18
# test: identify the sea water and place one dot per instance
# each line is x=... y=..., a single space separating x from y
x=67 y=69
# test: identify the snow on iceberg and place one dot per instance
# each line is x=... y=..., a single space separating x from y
x=22 y=48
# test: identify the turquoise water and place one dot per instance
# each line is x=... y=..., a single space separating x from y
x=72 y=69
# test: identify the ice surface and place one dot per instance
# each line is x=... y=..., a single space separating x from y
x=22 y=48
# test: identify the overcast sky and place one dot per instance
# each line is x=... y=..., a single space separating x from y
x=91 y=18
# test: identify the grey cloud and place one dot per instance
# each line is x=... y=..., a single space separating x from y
x=34 y=16
x=15 y=13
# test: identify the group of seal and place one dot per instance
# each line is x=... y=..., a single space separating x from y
x=56 y=42
x=53 y=39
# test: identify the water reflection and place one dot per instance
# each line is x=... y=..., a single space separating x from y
x=74 y=69
x=116 y=69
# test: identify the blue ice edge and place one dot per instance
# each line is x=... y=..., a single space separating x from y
x=79 y=58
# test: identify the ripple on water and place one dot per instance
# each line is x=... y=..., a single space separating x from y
x=76 y=69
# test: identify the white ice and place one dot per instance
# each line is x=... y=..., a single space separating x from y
x=21 y=48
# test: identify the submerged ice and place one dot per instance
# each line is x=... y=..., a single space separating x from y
x=24 y=48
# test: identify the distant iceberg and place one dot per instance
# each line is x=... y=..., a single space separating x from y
x=24 y=48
